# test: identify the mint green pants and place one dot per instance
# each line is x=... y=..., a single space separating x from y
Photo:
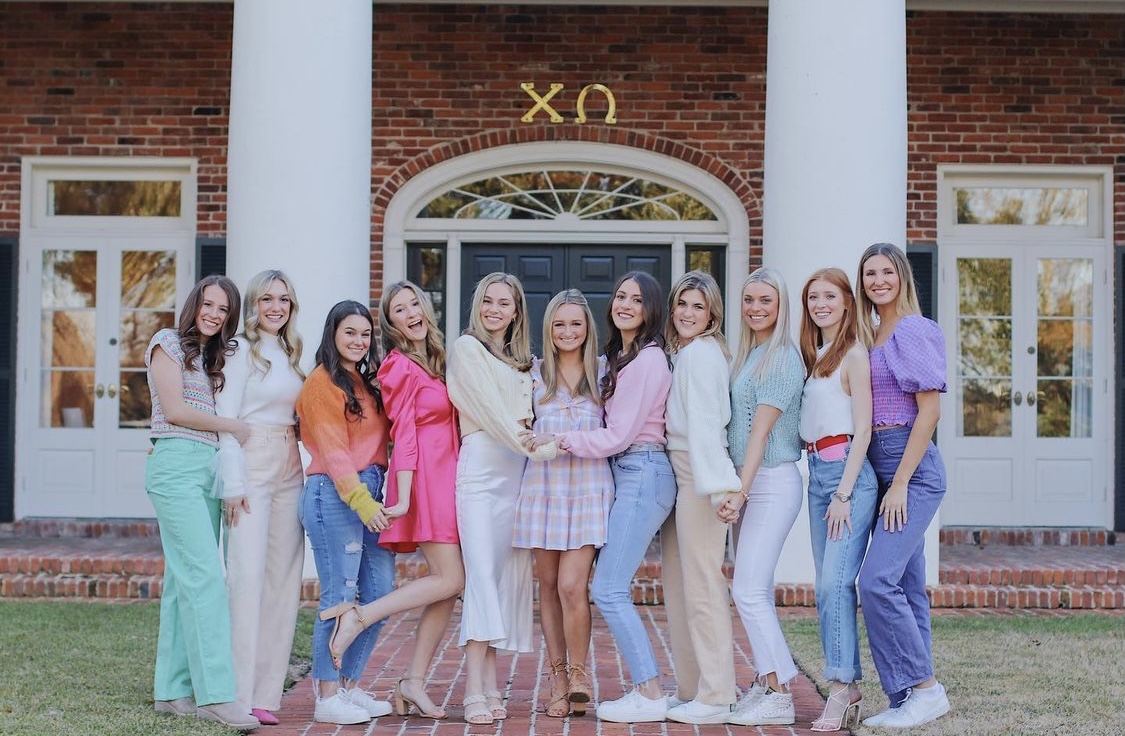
x=193 y=654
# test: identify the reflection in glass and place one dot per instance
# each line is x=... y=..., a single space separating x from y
x=1066 y=287
x=67 y=400
x=70 y=278
x=137 y=328
x=114 y=198
x=1022 y=206
x=986 y=408
x=426 y=267
x=984 y=286
x=67 y=339
x=1064 y=407
x=135 y=404
x=986 y=346
x=148 y=279
x=546 y=195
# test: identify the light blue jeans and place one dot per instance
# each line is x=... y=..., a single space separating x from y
x=837 y=561
x=644 y=494
x=350 y=564
x=892 y=582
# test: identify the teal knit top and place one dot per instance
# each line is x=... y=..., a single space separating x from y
x=781 y=388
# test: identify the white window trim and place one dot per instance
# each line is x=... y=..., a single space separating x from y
x=732 y=229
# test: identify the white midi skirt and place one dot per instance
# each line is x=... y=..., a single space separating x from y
x=498 y=585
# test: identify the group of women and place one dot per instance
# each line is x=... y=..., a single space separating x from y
x=500 y=459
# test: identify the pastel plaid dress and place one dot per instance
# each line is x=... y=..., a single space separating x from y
x=563 y=503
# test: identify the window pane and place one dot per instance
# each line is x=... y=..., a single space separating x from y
x=148 y=279
x=134 y=403
x=1022 y=206
x=70 y=278
x=67 y=339
x=67 y=400
x=426 y=267
x=986 y=408
x=114 y=198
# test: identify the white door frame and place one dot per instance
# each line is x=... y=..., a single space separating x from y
x=97 y=471
x=1026 y=244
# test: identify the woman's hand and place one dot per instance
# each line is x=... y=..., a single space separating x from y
x=730 y=507
x=399 y=509
x=240 y=430
x=893 y=507
x=233 y=507
x=378 y=522
x=839 y=517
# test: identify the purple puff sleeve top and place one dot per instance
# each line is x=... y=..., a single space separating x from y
x=910 y=362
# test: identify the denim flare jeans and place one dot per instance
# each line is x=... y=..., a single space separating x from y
x=644 y=494
x=838 y=561
x=351 y=565
x=892 y=582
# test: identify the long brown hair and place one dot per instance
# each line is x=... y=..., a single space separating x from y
x=650 y=332
x=433 y=360
x=213 y=353
x=811 y=336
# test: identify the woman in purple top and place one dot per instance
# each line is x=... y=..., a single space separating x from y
x=635 y=389
x=907 y=374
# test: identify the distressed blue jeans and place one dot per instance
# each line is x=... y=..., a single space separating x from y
x=351 y=565
x=838 y=561
x=644 y=494
x=892 y=582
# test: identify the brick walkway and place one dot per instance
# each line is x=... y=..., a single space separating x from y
x=526 y=689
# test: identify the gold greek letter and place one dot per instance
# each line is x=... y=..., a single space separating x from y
x=610 y=116
x=541 y=102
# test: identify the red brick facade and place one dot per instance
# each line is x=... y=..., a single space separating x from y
x=153 y=80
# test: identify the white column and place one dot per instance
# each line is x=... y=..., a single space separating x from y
x=299 y=156
x=835 y=157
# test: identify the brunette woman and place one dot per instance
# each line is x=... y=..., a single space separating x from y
x=765 y=404
x=907 y=374
x=635 y=389
x=490 y=384
x=344 y=429
x=835 y=427
x=693 y=540
x=420 y=487
x=564 y=504
x=262 y=482
x=194 y=671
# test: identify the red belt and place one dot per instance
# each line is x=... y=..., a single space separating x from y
x=825 y=442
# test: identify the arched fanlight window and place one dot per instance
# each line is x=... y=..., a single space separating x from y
x=568 y=194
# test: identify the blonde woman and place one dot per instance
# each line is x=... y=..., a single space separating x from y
x=261 y=488
x=694 y=538
x=563 y=506
x=764 y=445
x=489 y=381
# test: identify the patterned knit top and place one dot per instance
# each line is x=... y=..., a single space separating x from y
x=197 y=393
x=780 y=388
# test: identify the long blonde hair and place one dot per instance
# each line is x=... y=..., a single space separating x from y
x=287 y=336
x=706 y=285
x=907 y=302
x=433 y=359
x=588 y=385
x=811 y=338
x=779 y=339
x=516 y=350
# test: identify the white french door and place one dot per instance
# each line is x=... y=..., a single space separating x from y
x=1028 y=357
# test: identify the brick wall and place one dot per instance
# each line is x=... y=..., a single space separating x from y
x=153 y=80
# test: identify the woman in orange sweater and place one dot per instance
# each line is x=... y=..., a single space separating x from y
x=345 y=430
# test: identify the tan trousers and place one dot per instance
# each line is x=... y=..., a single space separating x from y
x=696 y=595
x=265 y=555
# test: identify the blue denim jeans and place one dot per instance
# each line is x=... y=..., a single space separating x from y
x=892 y=582
x=838 y=560
x=350 y=564
x=644 y=494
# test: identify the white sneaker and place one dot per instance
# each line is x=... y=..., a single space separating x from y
x=633 y=708
x=694 y=711
x=922 y=705
x=674 y=700
x=772 y=708
x=361 y=698
x=338 y=709
x=881 y=717
x=750 y=697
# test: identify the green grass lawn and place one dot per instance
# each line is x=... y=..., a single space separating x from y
x=86 y=668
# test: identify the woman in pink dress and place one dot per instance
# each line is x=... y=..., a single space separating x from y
x=420 y=487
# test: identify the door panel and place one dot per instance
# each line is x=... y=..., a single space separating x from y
x=547 y=270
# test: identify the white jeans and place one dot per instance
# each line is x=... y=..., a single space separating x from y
x=265 y=555
x=775 y=501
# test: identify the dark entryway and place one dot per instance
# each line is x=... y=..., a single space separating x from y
x=546 y=270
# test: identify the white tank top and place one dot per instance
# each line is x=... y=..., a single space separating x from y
x=825 y=409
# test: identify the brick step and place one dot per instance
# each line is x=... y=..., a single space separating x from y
x=1027 y=536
